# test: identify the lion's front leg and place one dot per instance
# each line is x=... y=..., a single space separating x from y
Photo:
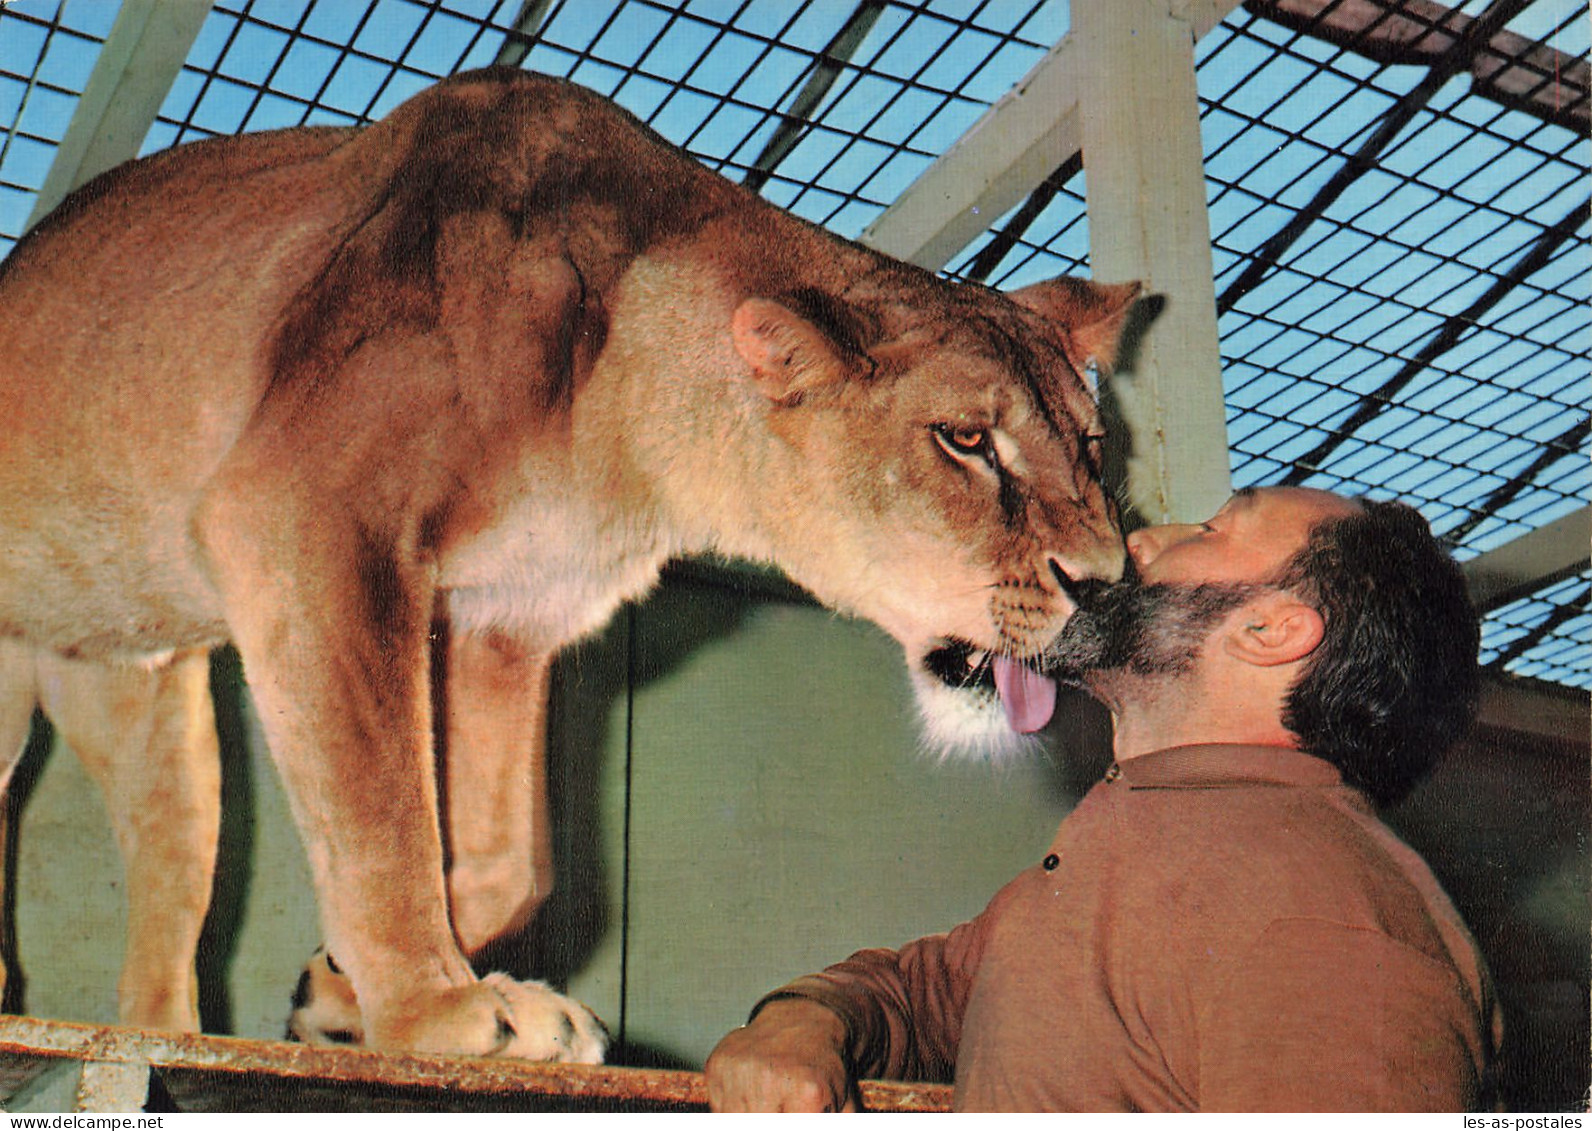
x=499 y=847
x=331 y=616
x=499 y=826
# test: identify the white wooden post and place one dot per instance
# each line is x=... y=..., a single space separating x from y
x=141 y=57
x=1148 y=220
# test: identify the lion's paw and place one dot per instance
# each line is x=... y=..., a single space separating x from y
x=325 y=1011
x=546 y=1025
x=496 y=1017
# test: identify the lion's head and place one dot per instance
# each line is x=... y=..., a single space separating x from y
x=948 y=484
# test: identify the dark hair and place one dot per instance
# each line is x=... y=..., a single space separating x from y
x=1393 y=683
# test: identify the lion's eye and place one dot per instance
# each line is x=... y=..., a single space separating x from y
x=963 y=441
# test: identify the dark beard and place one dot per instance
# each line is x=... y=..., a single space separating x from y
x=1143 y=630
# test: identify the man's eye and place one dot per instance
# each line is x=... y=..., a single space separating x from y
x=961 y=441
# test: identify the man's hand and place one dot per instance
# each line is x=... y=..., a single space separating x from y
x=792 y=1057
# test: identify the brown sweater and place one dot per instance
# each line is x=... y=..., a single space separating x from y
x=1214 y=928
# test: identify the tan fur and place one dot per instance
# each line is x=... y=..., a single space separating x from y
x=490 y=362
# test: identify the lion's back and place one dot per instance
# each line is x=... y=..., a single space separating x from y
x=149 y=321
x=169 y=279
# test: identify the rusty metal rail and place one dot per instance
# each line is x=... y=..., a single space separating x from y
x=116 y=1064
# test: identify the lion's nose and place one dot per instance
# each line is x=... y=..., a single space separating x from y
x=1080 y=591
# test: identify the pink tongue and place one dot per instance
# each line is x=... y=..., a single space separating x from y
x=1029 y=698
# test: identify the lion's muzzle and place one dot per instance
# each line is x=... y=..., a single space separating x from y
x=1027 y=697
x=1080 y=591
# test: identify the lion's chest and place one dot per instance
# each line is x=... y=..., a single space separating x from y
x=552 y=572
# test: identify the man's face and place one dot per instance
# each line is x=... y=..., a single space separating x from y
x=1250 y=539
x=1189 y=578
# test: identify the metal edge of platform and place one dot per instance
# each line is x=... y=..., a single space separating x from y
x=115 y=1045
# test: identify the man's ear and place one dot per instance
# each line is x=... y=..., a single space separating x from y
x=790 y=356
x=1274 y=629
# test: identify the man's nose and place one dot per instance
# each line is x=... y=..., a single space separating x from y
x=1150 y=542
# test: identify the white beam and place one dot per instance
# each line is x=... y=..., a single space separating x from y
x=136 y=66
x=991 y=168
x=1531 y=561
x=1540 y=711
x=1017 y=143
x=1202 y=15
x=1144 y=166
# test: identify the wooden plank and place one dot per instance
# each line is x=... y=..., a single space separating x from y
x=1542 y=710
x=111 y=1086
x=114 y=1045
x=1147 y=220
x=1510 y=69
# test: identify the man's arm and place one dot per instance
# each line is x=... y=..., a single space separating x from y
x=881 y=1013
x=790 y=1057
x=1319 y=1016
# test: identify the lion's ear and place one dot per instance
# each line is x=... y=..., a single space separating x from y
x=1090 y=316
x=791 y=357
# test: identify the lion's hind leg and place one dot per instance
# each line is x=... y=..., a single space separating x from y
x=499 y=828
x=18 y=697
x=325 y=1010
x=146 y=735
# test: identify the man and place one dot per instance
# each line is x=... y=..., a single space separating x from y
x=1222 y=923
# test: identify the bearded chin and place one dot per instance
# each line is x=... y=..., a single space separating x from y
x=1133 y=629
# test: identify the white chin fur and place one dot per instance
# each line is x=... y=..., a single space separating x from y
x=966 y=722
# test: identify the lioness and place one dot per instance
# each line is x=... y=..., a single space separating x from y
x=490 y=362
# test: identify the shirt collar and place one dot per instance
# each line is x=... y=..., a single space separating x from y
x=1226 y=767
